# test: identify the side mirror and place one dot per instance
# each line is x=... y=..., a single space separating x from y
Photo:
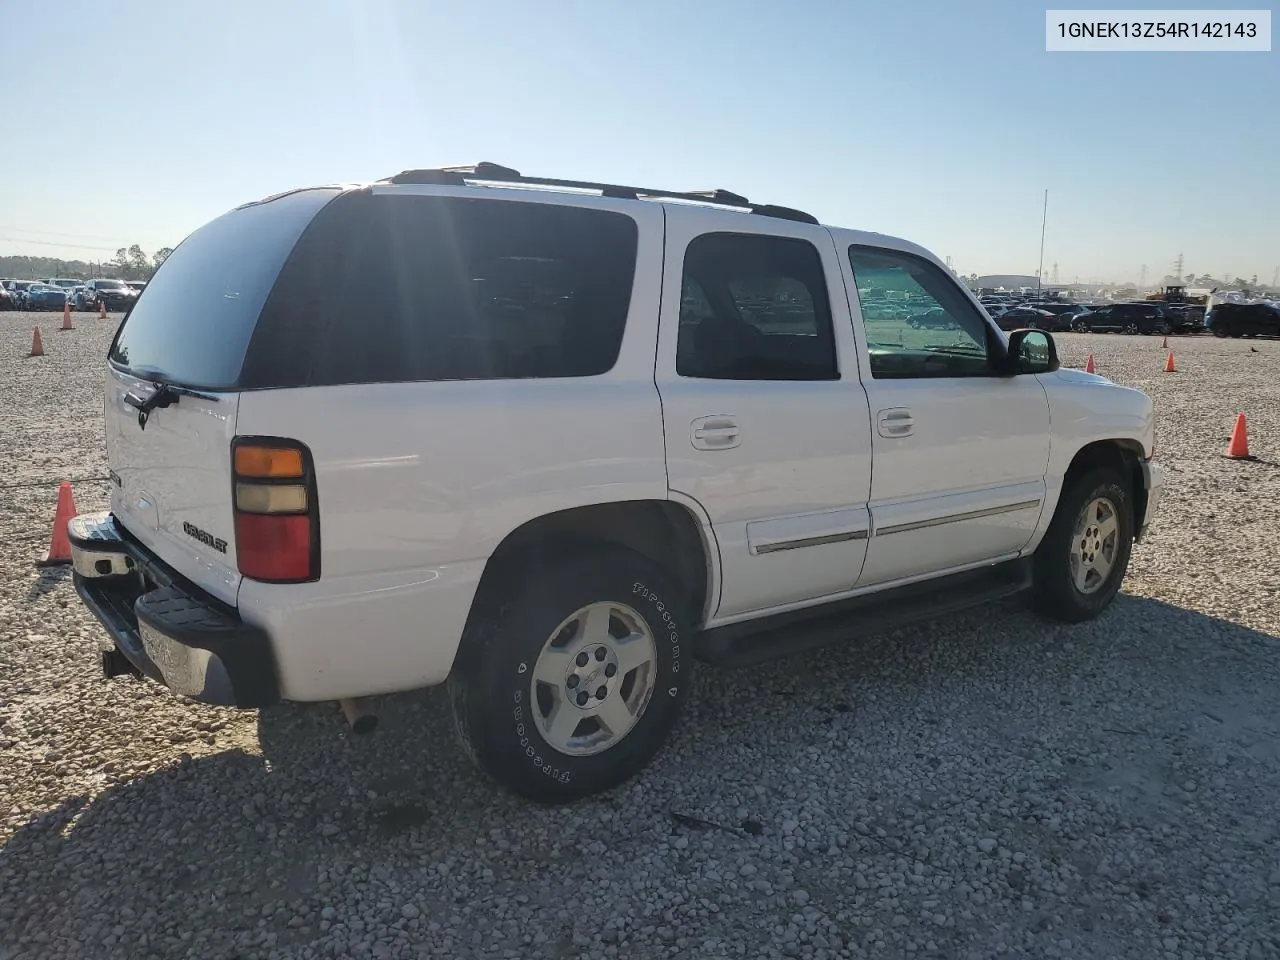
x=1030 y=351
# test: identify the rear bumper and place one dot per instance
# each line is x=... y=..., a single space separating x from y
x=166 y=628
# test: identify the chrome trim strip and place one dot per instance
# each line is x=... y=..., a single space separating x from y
x=811 y=541
x=957 y=517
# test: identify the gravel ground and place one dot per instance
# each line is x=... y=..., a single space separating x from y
x=989 y=786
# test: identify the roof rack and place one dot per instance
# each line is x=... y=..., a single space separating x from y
x=485 y=172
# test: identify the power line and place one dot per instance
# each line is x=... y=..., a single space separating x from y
x=51 y=243
x=56 y=233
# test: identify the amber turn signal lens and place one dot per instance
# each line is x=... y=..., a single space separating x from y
x=268 y=462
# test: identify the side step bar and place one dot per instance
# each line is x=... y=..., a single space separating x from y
x=744 y=644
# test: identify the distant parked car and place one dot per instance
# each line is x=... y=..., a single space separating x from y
x=116 y=294
x=1029 y=318
x=1063 y=310
x=45 y=296
x=19 y=291
x=935 y=317
x=1243 y=320
x=1131 y=318
x=1185 y=318
x=6 y=299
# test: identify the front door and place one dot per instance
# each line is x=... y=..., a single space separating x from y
x=767 y=427
x=959 y=453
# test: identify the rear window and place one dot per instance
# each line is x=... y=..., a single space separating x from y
x=385 y=288
x=193 y=322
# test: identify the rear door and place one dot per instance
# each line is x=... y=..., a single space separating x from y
x=766 y=425
x=190 y=330
x=959 y=453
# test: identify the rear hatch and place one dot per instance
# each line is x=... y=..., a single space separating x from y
x=172 y=387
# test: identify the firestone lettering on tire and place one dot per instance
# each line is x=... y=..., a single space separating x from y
x=673 y=635
x=522 y=732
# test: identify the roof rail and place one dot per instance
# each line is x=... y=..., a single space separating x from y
x=485 y=172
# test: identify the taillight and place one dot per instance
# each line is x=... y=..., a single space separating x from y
x=277 y=518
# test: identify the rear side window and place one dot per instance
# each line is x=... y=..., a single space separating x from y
x=192 y=323
x=754 y=307
x=411 y=288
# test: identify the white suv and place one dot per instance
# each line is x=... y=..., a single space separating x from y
x=552 y=441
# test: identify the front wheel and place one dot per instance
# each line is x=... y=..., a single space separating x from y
x=1084 y=555
x=573 y=676
x=1130 y=328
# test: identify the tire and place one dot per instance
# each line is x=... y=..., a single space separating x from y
x=1130 y=328
x=1080 y=327
x=502 y=713
x=1054 y=585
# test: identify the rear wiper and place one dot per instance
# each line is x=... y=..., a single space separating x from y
x=164 y=395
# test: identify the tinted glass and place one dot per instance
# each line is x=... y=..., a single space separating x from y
x=755 y=308
x=193 y=322
x=403 y=288
x=108 y=284
x=940 y=333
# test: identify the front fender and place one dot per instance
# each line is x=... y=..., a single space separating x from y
x=1085 y=408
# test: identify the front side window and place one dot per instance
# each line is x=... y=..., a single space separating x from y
x=754 y=308
x=936 y=332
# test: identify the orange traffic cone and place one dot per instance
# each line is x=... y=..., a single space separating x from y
x=1088 y=365
x=37 y=345
x=102 y=310
x=1168 y=364
x=66 y=317
x=1238 y=448
x=60 y=546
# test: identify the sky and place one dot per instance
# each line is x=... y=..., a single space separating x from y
x=136 y=121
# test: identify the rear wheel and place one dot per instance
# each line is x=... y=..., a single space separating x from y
x=1084 y=555
x=572 y=676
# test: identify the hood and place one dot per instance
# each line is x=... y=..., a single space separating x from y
x=1071 y=375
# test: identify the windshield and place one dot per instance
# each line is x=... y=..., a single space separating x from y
x=109 y=285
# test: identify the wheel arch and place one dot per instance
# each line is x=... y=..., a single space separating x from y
x=1121 y=454
x=668 y=533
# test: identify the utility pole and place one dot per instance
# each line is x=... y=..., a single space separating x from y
x=1142 y=278
x=1044 y=219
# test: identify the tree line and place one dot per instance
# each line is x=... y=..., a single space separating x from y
x=129 y=263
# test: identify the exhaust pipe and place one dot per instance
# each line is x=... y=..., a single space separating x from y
x=360 y=719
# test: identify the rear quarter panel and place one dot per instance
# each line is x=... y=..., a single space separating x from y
x=418 y=483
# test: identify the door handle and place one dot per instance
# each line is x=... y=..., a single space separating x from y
x=715 y=433
x=895 y=423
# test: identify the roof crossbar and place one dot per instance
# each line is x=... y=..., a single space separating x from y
x=485 y=172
